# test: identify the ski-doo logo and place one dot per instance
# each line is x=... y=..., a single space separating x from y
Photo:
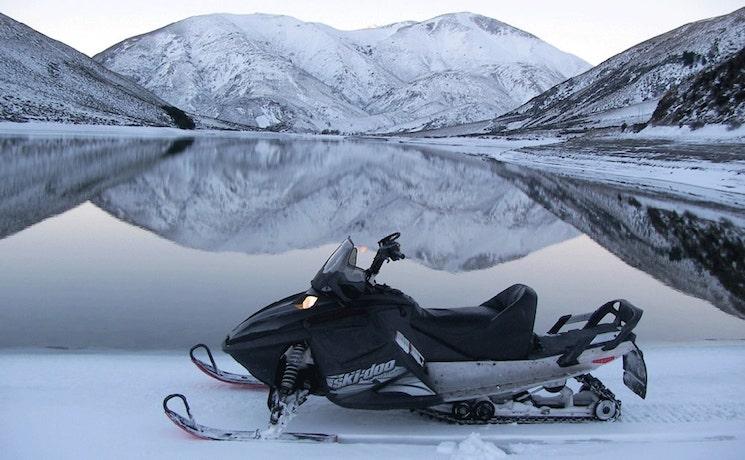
x=360 y=376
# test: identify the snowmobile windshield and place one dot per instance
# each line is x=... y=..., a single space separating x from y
x=340 y=274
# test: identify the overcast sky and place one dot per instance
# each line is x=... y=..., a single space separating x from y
x=593 y=30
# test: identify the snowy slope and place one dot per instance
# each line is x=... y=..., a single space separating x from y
x=454 y=213
x=712 y=96
x=627 y=87
x=279 y=72
x=43 y=79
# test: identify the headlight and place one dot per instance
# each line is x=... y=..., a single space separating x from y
x=308 y=302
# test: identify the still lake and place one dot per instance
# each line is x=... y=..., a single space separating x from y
x=162 y=243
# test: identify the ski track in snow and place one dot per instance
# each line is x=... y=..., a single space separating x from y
x=90 y=404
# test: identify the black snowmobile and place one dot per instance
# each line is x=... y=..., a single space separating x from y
x=369 y=346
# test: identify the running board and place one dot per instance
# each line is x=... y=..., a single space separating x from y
x=211 y=369
x=635 y=372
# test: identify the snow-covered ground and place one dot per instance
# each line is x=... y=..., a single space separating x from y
x=697 y=165
x=707 y=134
x=107 y=405
x=48 y=129
x=691 y=178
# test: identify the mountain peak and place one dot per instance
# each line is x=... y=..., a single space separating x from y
x=278 y=71
x=467 y=20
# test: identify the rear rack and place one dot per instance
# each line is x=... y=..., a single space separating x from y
x=626 y=316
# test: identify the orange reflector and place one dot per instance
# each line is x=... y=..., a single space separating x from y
x=603 y=360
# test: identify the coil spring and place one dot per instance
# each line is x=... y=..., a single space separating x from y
x=292 y=365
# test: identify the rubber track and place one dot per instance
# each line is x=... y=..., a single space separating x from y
x=595 y=385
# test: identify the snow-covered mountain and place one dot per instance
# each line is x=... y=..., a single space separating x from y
x=269 y=196
x=627 y=87
x=279 y=72
x=43 y=79
x=711 y=96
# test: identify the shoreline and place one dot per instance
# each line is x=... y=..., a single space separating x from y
x=684 y=166
x=707 y=134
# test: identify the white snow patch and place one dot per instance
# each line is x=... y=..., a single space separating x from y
x=708 y=133
x=262 y=121
x=633 y=113
x=471 y=448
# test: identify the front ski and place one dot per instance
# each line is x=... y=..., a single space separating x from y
x=211 y=369
x=189 y=425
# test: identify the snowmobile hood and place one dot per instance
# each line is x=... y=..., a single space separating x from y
x=282 y=316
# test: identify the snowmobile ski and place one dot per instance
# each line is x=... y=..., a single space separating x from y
x=188 y=424
x=211 y=369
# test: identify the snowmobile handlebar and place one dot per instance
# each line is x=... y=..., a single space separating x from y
x=388 y=249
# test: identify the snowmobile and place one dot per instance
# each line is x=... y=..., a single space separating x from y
x=365 y=345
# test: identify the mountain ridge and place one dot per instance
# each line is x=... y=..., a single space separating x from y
x=44 y=79
x=279 y=72
x=627 y=87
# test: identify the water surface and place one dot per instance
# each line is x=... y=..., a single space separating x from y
x=158 y=243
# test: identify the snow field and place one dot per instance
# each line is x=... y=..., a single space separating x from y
x=93 y=404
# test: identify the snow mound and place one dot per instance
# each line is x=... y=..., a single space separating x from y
x=471 y=448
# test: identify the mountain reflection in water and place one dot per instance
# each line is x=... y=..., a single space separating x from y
x=456 y=213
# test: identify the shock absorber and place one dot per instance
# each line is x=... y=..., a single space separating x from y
x=293 y=361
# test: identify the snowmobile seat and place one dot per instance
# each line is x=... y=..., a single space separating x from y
x=499 y=329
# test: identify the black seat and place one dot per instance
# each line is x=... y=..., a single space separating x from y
x=499 y=329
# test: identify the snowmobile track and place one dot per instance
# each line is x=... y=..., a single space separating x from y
x=593 y=383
